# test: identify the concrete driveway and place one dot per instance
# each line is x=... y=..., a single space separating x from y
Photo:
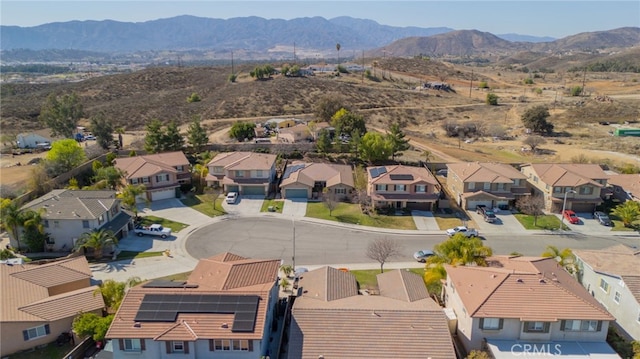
x=295 y=207
x=587 y=225
x=425 y=221
x=245 y=205
x=506 y=223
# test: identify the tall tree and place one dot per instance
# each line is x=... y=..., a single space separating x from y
x=531 y=205
x=129 y=196
x=382 y=249
x=327 y=106
x=172 y=140
x=33 y=225
x=346 y=123
x=627 y=212
x=61 y=114
x=111 y=175
x=535 y=119
x=375 y=147
x=196 y=135
x=65 y=155
x=242 y=130
x=398 y=141
x=97 y=240
x=113 y=292
x=12 y=220
x=154 y=139
x=102 y=129
x=91 y=324
x=324 y=142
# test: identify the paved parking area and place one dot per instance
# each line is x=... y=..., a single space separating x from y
x=295 y=207
x=506 y=223
x=587 y=225
x=425 y=221
x=245 y=205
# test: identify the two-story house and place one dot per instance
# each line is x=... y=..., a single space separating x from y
x=489 y=184
x=225 y=309
x=612 y=276
x=519 y=302
x=160 y=173
x=248 y=173
x=625 y=187
x=555 y=182
x=312 y=180
x=39 y=301
x=401 y=187
x=67 y=214
x=331 y=320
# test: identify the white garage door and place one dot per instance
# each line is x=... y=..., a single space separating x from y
x=166 y=194
x=472 y=204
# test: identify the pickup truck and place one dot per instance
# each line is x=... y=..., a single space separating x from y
x=153 y=230
x=488 y=215
x=467 y=232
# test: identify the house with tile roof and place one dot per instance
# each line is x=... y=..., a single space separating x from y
x=625 y=187
x=39 y=301
x=160 y=173
x=518 y=301
x=67 y=214
x=489 y=184
x=553 y=181
x=224 y=309
x=313 y=180
x=612 y=276
x=248 y=173
x=401 y=187
x=297 y=133
x=330 y=319
x=36 y=139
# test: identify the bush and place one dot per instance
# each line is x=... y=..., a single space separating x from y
x=194 y=98
x=233 y=77
x=576 y=91
x=528 y=81
x=492 y=99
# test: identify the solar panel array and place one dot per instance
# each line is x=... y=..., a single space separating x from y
x=401 y=177
x=292 y=169
x=165 y=308
x=377 y=171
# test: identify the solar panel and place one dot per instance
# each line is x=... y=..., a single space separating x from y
x=377 y=171
x=243 y=326
x=169 y=316
x=292 y=169
x=144 y=316
x=244 y=316
x=401 y=177
x=246 y=299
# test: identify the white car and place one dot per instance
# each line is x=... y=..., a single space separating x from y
x=421 y=256
x=467 y=232
x=232 y=197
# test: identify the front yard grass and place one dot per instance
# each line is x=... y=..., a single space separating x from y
x=277 y=205
x=618 y=226
x=175 y=226
x=367 y=278
x=203 y=203
x=52 y=350
x=351 y=213
x=547 y=221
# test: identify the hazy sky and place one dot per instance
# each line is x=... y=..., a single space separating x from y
x=539 y=18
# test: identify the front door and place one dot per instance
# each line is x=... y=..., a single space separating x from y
x=399 y=205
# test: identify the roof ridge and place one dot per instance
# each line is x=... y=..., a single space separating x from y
x=170 y=328
x=186 y=324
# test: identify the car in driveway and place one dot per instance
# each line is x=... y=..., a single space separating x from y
x=571 y=216
x=602 y=218
x=232 y=197
x=467 y=232
x=421 y=256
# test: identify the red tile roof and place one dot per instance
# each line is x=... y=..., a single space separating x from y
x=149 y=165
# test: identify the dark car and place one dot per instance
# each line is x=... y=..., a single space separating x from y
x=602 y=218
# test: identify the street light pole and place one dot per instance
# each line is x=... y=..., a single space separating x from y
x=293 y=258
x=564 y=205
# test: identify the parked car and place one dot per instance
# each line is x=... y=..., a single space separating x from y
x=421 y=256
x=232 y=197
x=467 y=232
x=571 y=216
x=153 y=230
x=602 y=218
x=487 y=213
x=89 y=138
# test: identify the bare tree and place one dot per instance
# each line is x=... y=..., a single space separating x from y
x=531 y=205
x=382 y=249
x=329 y=200
x=534 y=142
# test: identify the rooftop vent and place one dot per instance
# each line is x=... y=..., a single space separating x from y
x=137 y=325
x=224 y=325
x=519 y=280
x=542 y=280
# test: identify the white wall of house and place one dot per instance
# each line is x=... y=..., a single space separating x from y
x=30 y=140
x=623 y=306
x=198 y=349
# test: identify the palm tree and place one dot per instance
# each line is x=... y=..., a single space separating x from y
x=97 y=240
x=129 y=195
x=12 y=219
x=564 y=257
x=628 y=212
x=34 y=229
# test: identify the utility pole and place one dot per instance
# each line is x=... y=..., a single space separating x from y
x=584 y=79
x=294 y=52
x=232 y=70
x=362 y=66
x=293 y=258
x=470 y=84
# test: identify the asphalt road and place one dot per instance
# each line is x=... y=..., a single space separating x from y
x=317 y=244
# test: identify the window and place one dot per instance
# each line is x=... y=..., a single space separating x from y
x=401 y=188
x=535 y=179
x=581 y=325
x=218 y=169
x=491 y=323
x=487 y=186
x=177 y=347
x=56 y=224
x=179 y=168
x=381 y=187
x=536 y=327
x=239 y=173
x=228 y=345
x=85 y=224
x=132 y=345
x=259 y=173
x=162 y=178
x=472 y=185
x=586 y=190
x=516 y=182
x=133 y=181
x=46 y=223
x=36 y=332
x=341 y=190
x=616 y=297
x=557 y=189
x=420 y=188
x=604 y=285
x=145 y=180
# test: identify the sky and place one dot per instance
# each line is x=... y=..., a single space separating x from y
x=532 y=17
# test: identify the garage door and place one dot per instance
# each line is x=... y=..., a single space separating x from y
x=419 y=206
x=233 y=189
x=166 y=194
x=583 y=207
x=472 y=204
x=253 y=191
x=295 y=193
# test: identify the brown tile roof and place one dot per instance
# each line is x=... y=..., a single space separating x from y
x=332 y=174
x=349 y=325
x=225 y=273
x=74 y=204
x=569 y=174
x=619 y=260
x=419 y=175
x=233 y=161
x=149 y=165
x=525 y=288
x=630 y=182
x=25 y=290
x=485 y=172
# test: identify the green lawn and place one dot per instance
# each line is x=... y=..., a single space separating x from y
x=277 y=205
x=548 y=221
x=134 y=254
x=51 y=351
x=204 y=203
x=175 y=226
x=350 y=213
x=367 y=278
x=618 y=226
